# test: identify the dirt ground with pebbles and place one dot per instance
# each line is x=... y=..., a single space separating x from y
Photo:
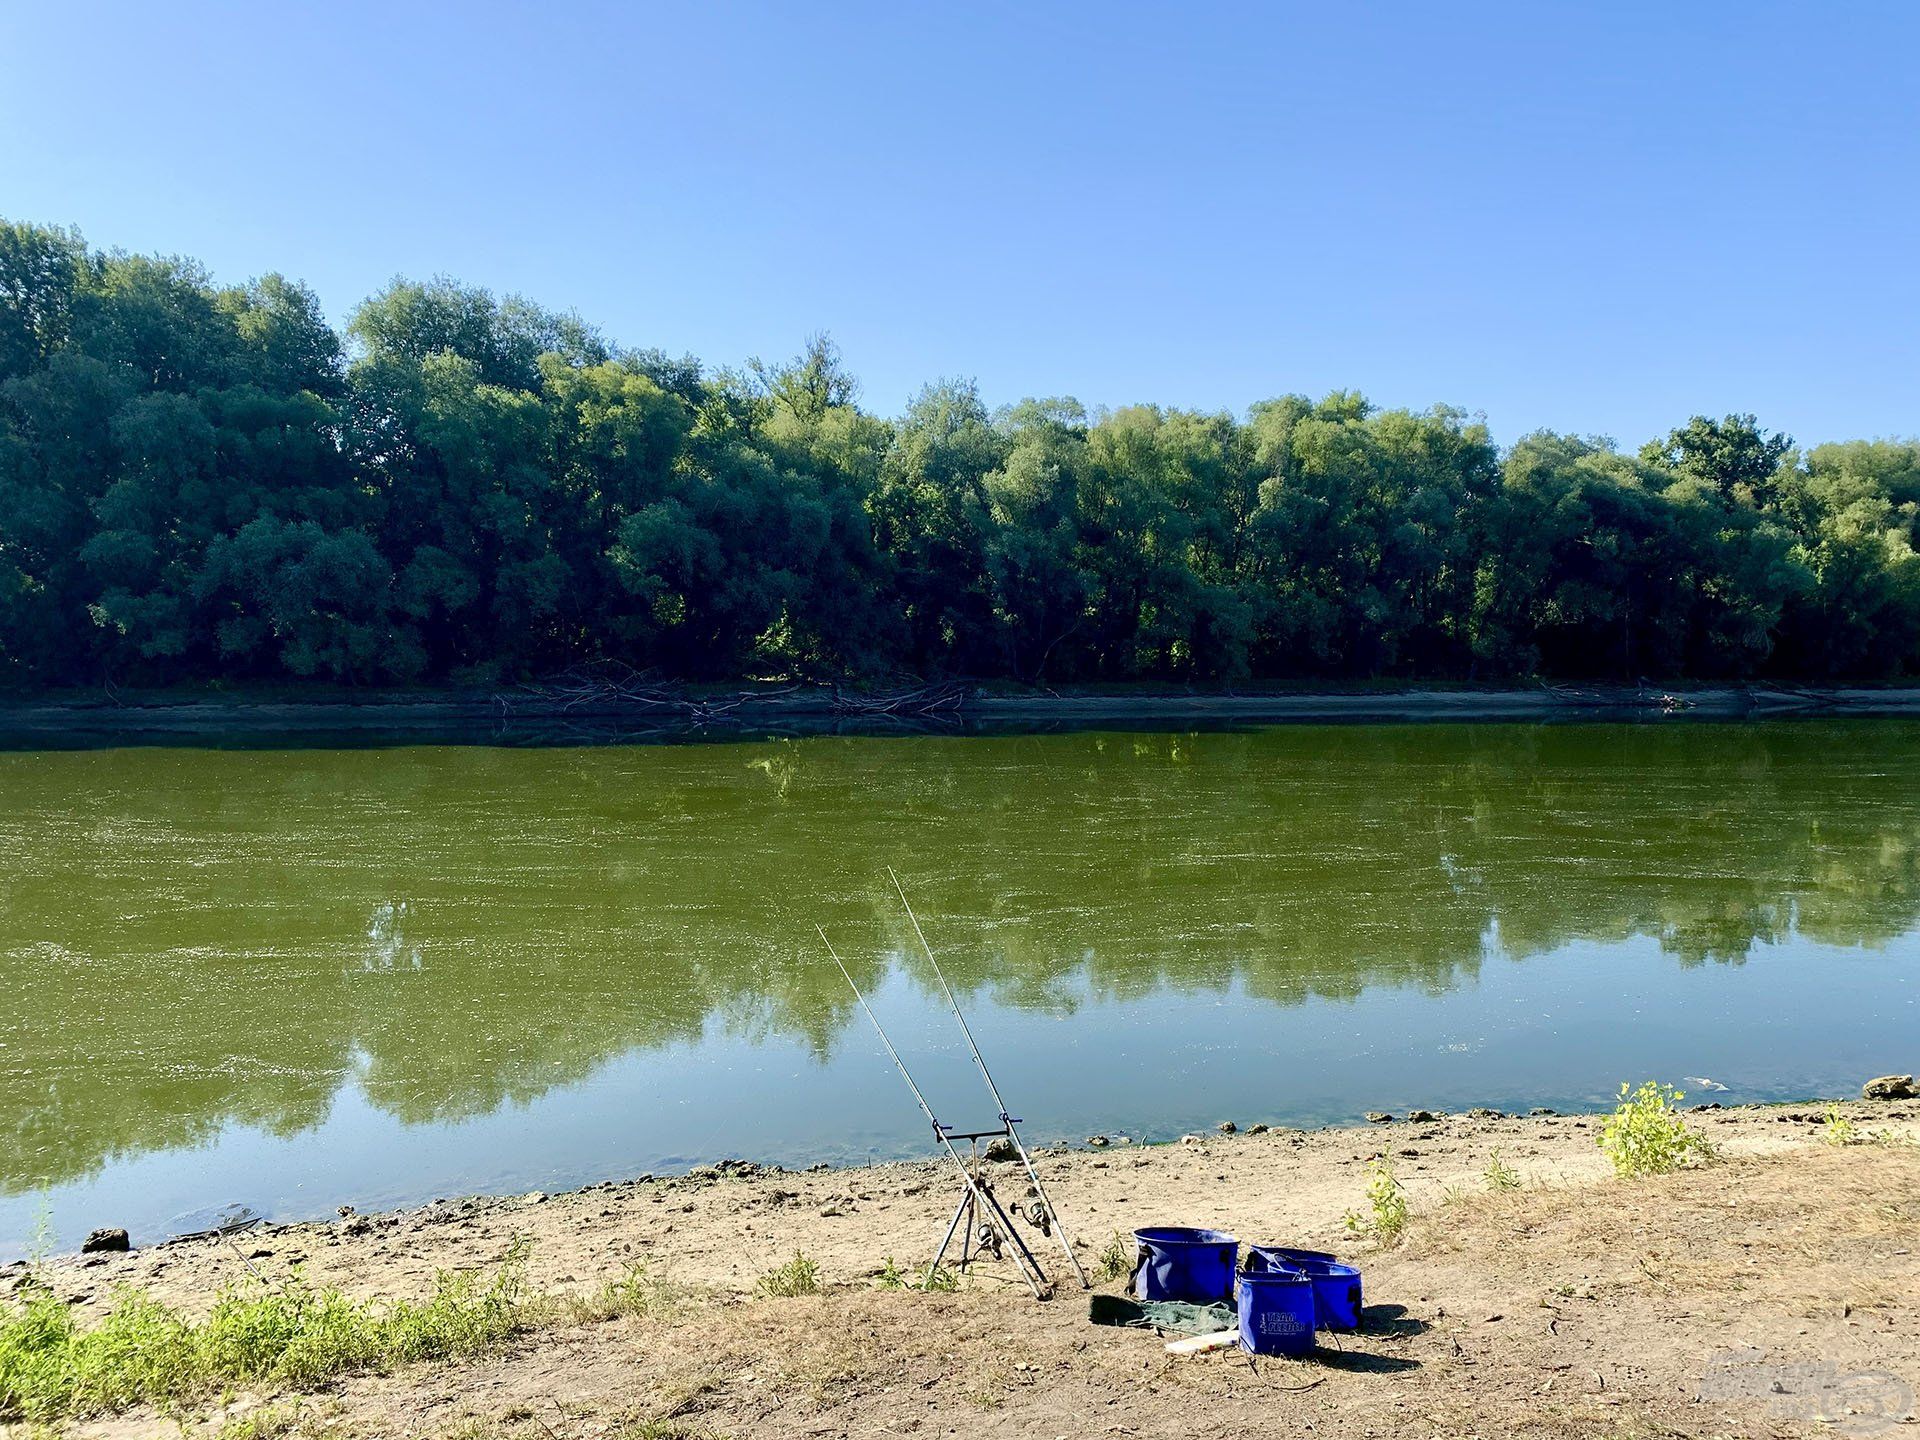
x=1774 y=1293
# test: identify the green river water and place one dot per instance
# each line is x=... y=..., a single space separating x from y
x=288 y=979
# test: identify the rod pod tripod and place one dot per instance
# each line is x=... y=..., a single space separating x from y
x=980 y=1209
x=980 y=1221
x=1045 y=1215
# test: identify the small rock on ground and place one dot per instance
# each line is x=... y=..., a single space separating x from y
x=1888 y=1087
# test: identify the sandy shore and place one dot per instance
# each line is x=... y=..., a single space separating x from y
x=1576 y=1304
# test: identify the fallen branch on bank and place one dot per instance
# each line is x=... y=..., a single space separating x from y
x=925 y=700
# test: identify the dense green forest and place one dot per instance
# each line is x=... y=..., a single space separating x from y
x=199 y=482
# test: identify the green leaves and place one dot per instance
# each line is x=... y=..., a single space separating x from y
x=1733 y=458
x=1645 y=1135
x=194 y=484
x=41 y=270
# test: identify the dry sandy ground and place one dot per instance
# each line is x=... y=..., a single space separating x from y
x=1777 y=1293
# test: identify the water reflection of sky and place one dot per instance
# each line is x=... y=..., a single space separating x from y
x=1560 y=1029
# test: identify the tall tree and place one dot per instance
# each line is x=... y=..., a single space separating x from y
x=1734 y=456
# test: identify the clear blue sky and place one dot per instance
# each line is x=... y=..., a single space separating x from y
x=1601 y=217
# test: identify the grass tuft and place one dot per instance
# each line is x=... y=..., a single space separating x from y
x=892 y=1277
x=1500 y=1175
x=637 y=1291
x=799 y=1276
x=941 y=1281
x=294 y=1334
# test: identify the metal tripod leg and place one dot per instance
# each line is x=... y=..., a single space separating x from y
x=963 y=1217
x=966 y=1203
x=976 y=1199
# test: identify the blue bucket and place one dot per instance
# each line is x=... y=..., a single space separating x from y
x=1276 y=1312
x=1336 y=1293
x=1178 y=1263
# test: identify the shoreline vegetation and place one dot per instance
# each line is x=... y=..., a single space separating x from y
x=208 y=483
x=596 y=710
x=1610 y=1256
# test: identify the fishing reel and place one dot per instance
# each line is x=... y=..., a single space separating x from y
x=988 y=1237
x=1036 y=1214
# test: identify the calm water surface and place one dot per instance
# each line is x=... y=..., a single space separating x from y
x=293 y=979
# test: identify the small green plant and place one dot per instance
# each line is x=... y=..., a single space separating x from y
x=799 y=1276
x=41 y=1245
x=892 y=1277
x=1645 y=1135
x=1836 y=1128
x=941 y=1281
x=1500 y=1175
x=1114 y=1261
x=1386 y=1218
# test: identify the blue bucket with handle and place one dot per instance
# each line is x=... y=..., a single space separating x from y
x=1336 y=1293
x=1276 y=1312
x=1175 y=1262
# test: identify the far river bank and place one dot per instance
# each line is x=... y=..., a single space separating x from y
x=612 y=710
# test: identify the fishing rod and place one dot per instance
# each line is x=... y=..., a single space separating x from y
x=1007 y=1119
x=977 y=1191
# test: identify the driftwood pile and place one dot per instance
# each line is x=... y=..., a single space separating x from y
x=611 y=687
x=921 y=703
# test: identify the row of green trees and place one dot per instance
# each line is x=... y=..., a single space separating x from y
x=200 y=482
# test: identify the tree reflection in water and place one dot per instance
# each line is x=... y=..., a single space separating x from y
x=191 y=938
